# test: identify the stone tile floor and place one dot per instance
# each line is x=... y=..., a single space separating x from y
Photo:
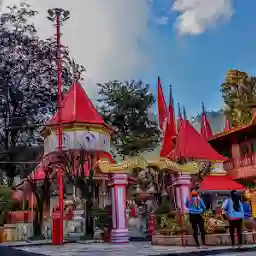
x=239 y=254
x=135 y=249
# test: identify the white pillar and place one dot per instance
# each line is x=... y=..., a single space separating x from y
x=119 y=233
x=182 y=186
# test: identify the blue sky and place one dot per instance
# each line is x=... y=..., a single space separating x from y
x=196 y=65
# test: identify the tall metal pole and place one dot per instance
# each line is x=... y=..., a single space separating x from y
x=59 y=15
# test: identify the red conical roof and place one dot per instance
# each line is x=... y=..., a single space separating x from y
x=170 y=130
x=206 y=130
x=179 y=117
x=78 y=108
x=190 y=144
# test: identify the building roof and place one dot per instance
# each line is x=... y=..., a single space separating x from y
x=78 y=108
x=220 y=183
x=229 y=130
x=169 y=131
x=206 y=129
x=190 y=144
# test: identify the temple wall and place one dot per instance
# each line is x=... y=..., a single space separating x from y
x=77 y=139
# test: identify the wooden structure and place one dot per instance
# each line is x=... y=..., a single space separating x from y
x=239 y=145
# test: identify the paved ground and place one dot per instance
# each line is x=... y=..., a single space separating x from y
x=240 y=254
x=13 y=252
x=138 y=249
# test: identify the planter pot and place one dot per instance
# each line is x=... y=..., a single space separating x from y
x=105 y=235
x=1 y=234
x=10 y=233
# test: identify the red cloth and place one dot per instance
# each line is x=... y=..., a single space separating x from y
x=133 y=211
x=170 y=131
x=162 y=109
x=206 y=130
x=179 y=118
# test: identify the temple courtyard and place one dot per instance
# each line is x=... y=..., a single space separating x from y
x=134 y=248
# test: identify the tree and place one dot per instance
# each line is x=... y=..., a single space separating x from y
x=42 y=190
x=5 y=202
x=239 y=95
x=28 y=80
x=126 y=106
x=73 y=165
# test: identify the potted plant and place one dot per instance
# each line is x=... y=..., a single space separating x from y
x=249 y=225
x=103 y=221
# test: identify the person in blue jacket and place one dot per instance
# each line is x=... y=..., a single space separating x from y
x=234 y=211
x=196 y=207
x=247 y=209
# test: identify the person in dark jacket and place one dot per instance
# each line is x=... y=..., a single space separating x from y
x=196 y=207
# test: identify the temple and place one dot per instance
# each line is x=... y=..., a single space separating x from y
x=184 y=153
x=239 y=145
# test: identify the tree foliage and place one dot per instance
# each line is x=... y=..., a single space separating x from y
x=156 y=182
x=42 y=190
x=73 y=164
x=239 y=95
x=5 y=202
x=28 y=79
x=126 y=106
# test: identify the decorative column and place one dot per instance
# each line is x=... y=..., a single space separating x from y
x=119 y=232
x=182 y=186
x=235 y=151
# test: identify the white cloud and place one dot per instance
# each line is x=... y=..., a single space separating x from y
x=195 y=16
x=102 y=35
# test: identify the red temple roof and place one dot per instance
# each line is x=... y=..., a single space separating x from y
x=169 y=131
x=220 y=183
x=206 y=129
x=78 y=108
x=190 y=144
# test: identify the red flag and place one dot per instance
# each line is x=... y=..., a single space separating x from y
x=162 y=109
x=184 y=114
x=227 y=126
x=170 y=131
x=179 y=117
x=206 y=130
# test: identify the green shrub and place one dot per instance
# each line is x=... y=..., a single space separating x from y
x=163 y=209
x=6 y=203
x=102 y=217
